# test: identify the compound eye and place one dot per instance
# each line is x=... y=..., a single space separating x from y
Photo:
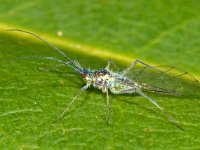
x=83 y=75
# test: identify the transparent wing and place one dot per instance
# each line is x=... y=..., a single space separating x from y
x=164 y=80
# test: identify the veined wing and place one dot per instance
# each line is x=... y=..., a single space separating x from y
x=165 y=80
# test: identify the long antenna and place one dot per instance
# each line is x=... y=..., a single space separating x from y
x=49 y=44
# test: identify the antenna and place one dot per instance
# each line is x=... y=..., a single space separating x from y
x=49 y=44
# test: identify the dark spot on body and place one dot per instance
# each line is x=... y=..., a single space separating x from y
x=102 y=72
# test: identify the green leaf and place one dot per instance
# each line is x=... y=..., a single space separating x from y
x=33 y=92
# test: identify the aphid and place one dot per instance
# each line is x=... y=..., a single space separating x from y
x=138 y=78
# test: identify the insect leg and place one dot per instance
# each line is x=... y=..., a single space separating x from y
x=150 y=100
x=133 y=65
x=107 y=106
x=111 y=64
x=123 y=91
x=82 y=89
x=170 y=118
x=136 y=90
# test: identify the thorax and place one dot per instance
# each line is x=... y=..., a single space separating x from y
x=102 y=78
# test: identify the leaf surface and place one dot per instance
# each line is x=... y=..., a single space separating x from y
x=33 y=92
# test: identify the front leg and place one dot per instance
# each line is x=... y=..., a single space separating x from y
x=72 y=101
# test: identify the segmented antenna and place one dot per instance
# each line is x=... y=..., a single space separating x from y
x=49 y=44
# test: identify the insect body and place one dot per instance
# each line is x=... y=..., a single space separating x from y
x=138 y=78
x=117 y=83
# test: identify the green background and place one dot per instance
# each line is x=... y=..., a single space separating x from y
x=33 y=92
